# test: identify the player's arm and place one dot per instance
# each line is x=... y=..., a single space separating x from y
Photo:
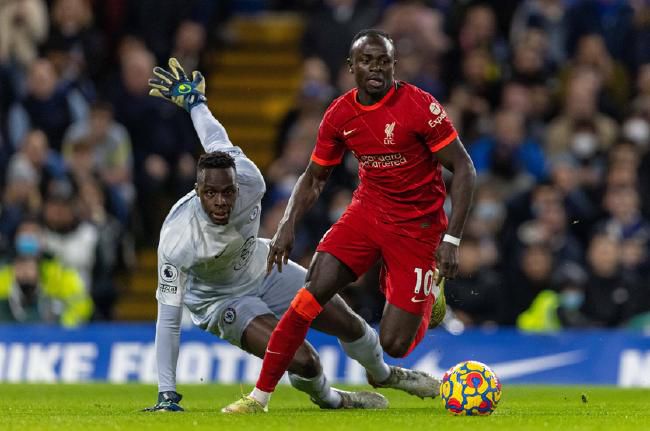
x=171 y=287
x=175 y=86
x=454 y=157
x=304 y=196
x=168 y=334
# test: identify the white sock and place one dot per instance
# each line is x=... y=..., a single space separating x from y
x=260 y=396
x=317 y=388
x=368 y=352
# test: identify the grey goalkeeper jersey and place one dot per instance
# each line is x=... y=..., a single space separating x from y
x=200 y=263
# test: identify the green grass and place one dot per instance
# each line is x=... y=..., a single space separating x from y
x=116 y=407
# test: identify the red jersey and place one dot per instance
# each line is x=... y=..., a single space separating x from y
x=393 y=141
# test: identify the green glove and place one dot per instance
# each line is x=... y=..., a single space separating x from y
x=175 y=86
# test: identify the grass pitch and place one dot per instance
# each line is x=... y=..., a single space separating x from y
x=116 y=407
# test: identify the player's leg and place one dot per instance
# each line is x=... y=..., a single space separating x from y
x=407 y=279
x=327 y=275
x=357 y=338
x=252 y=320
x=306 y=372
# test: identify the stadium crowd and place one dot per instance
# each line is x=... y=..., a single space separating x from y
x=550 y=97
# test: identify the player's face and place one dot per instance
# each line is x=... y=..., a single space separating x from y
x=373 y=66
x=217 y=190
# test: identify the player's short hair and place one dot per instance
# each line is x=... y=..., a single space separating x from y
x=215 y=160
x=371 y=32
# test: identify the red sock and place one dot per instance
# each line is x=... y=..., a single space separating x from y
x=287 y=338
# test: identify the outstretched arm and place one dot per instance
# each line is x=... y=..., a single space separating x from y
x=455 y=158
x=175 y=86
x=304 y=195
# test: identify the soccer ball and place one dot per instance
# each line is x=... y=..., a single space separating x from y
x=470 y=388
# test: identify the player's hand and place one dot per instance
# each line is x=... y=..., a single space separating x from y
x=280 y=248
x=167 y=402
x=175 y=86
x=447 y=260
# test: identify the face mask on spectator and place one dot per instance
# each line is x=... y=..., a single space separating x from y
x=27 y=244
x=584 y=144
x=637 y=130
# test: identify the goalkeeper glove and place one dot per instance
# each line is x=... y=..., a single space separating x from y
x=175 y=86
x=167 y=402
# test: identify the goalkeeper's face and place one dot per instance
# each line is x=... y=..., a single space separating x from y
x=217 y=190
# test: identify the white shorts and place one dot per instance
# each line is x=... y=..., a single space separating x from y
x=274 y=296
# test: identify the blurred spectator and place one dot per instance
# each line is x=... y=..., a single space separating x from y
x=72 y=240
x=158 y=33
x=23 y=25
x=189 y=42
x=475 y=294
x=508 y=155
x=75 y=46
x=110 y=155
x=568 y=178
x=112 y=242
x=580 y=128
x=38 y=288
x=547 y=16
x=314 y=97
x=612 y=19
x=614 y=84
x=343 y=18
x=609 y=297
x=50 y=104
x=530 y=275
x=417 y=31
x=34 y=161
x=625 y=221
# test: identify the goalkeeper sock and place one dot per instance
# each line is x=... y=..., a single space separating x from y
x=287 y=338
x=319 y=390
x=368 y=352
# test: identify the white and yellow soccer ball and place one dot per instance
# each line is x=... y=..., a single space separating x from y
x=470 y=388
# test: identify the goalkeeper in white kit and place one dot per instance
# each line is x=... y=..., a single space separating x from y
x=211 y=260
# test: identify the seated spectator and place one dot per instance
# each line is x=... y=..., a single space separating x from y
x=508 y=155
x=527 y=276
x=189 y=43
x=50 y=104
x=625 y=220
x=547 y=16
x=69 y=238
x=475 y=294
x=23 y=25
x=35 y=160
x=592 y=54
x=343 y=18
x=111 y=155
x=75 y=46
x=38 y=288
x=610 y=298
x=581 y=129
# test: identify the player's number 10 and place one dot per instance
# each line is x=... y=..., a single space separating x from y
x=428 y=281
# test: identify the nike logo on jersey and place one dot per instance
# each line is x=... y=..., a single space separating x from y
x=272 y=352
x=347 y=132
x=414 y=299
x=220 y=254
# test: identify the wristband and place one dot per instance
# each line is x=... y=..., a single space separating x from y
x=451 y=240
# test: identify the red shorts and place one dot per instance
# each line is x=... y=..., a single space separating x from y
x=408 y=252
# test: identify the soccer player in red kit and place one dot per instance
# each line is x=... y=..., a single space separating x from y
x=400 y=136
